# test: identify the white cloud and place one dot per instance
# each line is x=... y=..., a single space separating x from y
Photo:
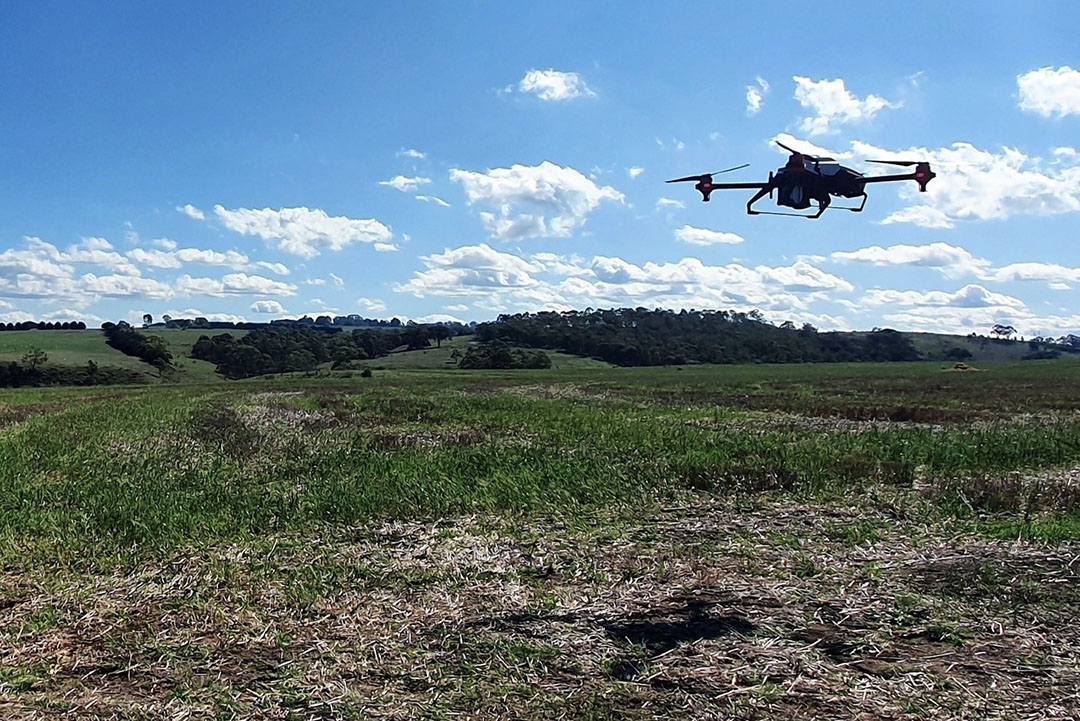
x=124 y=286
x=833 y=104
x=433 y=199
x=704 y=236
x=457 y=307
x=1050 y=92
x=268 y=307
x=301 y=231
x=554 y=85
x=412 y=153
x=191 y=211
x=925 y=216
x=971 y=183
x=1058 y=276
x=438 y=318
x=976 y=184
x=373 y=305
x=634 y=171
x=498 y=282
x=755 y=95
x=404 y=184
x=69 y=314
x=242 y=283
x=950 y=260
x=183 y=256
x=90 y=251
x=339 y=282
x=386 y=248
x=533 y=201
x=164 y=244
x=276 y=268
x=233 y=284
x=670 y=203
x=970 y=296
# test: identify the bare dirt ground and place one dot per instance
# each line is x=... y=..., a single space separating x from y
x=704 y=609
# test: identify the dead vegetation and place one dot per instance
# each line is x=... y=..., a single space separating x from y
x=705 y=609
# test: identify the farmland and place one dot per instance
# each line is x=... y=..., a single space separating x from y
x=842 y=541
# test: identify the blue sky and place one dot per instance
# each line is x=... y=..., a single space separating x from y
x=458 y=160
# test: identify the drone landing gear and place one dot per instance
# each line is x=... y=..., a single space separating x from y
x=856 y=209
x=823 y=204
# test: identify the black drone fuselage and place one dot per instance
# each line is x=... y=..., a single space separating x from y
x=805 y=179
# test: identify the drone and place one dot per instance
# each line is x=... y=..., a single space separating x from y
x=807 y=177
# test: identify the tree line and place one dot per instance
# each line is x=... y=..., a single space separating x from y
x=642 y=337
x=147 y=348
x=31 y=372
x=282 y=349
x=41 y=325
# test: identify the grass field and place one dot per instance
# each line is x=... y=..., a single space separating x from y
x=443 y=357
x=767 y=542
x=66 y=347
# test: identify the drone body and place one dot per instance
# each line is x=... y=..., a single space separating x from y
x=805 y=178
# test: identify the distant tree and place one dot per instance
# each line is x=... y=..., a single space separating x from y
x=441 y=333
x=34 y=358
x=958 y=354
x=167 y=319
x=1003 y=331
x=147 y=320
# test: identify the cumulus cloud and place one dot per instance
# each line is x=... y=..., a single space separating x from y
x=755 y=95
x=670 y=203
x=970 y=296
x=832 y=104
x=634 y=171
x=950 y=260
x=302 y=231
x=372 y=305
x=268 y=307
x=191 y=211
x=233 y=284
x=404 y=184
x=179 y=258
x=704 y=236
x=433 y=199
x=533 y=201
x=385 y=248
x=554 y=85
x=438 y=318
x=412 y=153
x=90 y=251
x=1050 y=92
x=1059 y=277
x=498 y=281
x=972 y=183
x=164 y=244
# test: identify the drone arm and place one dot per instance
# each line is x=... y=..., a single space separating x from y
x=739 y=186
x=763 y=190
x=889 y=178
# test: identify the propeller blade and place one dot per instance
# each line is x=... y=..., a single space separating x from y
x=687 y=179
x=737 y=167
x=796 y=152
x=901 y=163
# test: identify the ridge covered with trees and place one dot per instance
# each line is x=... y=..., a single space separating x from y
x=641 y=337
x=147 y=348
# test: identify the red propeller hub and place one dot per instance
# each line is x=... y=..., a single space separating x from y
x=923 y=175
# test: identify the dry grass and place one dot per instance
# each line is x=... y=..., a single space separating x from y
x=702 y=610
